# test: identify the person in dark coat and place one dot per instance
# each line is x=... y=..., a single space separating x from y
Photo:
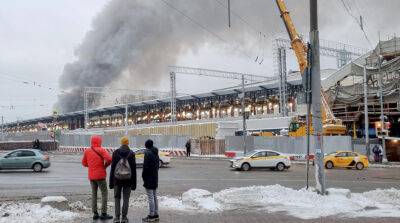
x=37 y=145
x=122 y=186
x=188 y=147
x=150 y=179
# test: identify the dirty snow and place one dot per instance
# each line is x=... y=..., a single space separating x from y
x=78 y=206
x=33 y=213
x=53 y=199
x=298 y=203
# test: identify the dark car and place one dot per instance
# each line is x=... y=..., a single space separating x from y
x=25 y=159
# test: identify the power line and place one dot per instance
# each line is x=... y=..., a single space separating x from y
x=205 y=28
x=30 y=82
x=258 y=31
x=361 y=25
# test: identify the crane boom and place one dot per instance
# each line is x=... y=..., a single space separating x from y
x=300 y=50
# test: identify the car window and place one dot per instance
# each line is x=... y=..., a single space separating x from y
x=343 y=154
x=332 y=153
x=27 y=153
x=260 y=154
x=352 y=154
x=269 y=153
x=139 y=152
x=14 y=154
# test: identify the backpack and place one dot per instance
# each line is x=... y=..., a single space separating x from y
x=123 y=169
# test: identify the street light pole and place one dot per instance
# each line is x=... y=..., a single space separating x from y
x=316 y=98
x=366 y=121
x=244 y=116
x=126 y=118
x=383 y=130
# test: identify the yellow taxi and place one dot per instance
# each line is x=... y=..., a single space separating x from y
x=165 y=157
x=346 y=159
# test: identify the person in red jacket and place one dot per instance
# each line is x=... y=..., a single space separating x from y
x=97 y=159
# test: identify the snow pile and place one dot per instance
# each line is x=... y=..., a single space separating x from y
x=201 y=199
x=53 y=199
x=57 y=202
x=193 y=199
x=33 y=213
x=304 y=204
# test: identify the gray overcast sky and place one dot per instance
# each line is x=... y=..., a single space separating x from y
x=38 y=38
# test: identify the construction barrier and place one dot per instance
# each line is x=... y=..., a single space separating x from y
x=74 y=149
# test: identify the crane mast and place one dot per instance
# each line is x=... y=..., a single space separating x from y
x=300 y=50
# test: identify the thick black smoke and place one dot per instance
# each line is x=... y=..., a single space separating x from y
x=132 y=42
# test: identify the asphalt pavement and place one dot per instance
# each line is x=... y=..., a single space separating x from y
x=68 y=178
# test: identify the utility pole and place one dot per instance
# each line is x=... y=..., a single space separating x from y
x=243 y=94
x=172 y=77
x=316 y=98
x=2 y=128
x=383 y=130
x=126 y=118
x=366 y=120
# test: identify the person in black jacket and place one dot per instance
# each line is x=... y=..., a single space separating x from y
x=188 y=147
x=122 y=186
x=150 y=179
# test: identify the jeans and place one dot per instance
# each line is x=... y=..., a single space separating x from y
x=126 y=193
x=102 y=184
x=153 y=203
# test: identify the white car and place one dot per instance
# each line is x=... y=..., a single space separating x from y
x=165 y=157
x=261 y=159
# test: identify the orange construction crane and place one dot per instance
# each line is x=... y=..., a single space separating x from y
x=331 y=125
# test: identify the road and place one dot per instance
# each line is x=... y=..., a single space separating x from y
x=67 y=177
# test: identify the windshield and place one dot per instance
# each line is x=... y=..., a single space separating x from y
x=331 y=153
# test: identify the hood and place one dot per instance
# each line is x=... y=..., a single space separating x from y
x=123 y=151
x=96 y=141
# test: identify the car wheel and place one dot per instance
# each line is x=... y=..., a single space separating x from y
x=280 y=166
x=329 y=165
x=359 y=166
x=37 y=167
x=246 y=167
x=160 y=163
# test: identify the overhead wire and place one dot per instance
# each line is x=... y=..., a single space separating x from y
x=30 y=82
x=361 y=25
x=262 y=35
x=205 y=28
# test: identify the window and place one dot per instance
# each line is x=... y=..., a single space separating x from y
x=269 y=153
x=260 y=154
x=14 y=154
x=139 y=152
x=352 y=154
x=27 y=153
x=341 y=154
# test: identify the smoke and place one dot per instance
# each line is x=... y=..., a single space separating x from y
x=131 y=43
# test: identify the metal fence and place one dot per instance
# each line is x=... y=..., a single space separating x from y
x=26 y=136
x=160 y=141
x=83 y=139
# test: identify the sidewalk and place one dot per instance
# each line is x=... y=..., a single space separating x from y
x=238 y=216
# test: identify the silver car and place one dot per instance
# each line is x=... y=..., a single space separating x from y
x=25 y=159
